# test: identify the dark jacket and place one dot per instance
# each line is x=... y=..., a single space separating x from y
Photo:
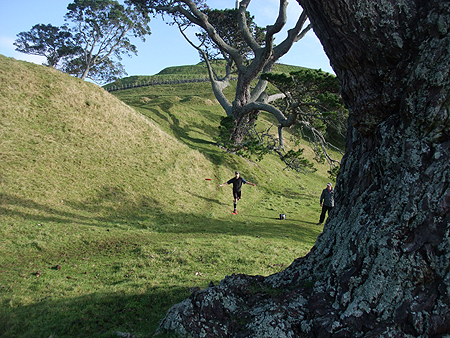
x=237 y=183
x=327 y=197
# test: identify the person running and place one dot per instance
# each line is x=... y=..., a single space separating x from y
x=237 y=182
x=326 y=202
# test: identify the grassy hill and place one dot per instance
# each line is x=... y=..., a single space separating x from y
x=197 y=71
x=107 y=218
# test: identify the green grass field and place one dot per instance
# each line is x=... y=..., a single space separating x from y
x=106 y=196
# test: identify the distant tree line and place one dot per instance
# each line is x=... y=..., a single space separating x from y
x=92 y=42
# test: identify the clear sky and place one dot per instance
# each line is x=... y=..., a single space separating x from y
x=165 y=47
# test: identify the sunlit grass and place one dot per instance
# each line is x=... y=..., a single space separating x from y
x=118 y=199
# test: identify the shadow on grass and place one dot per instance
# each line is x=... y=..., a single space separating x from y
x=146 y=214
x=183 y=133
x=92 y=315
x=27 y=209
x=209 y=200
x=102 y=315
x=173 y=122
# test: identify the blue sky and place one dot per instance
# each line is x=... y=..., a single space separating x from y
x=165 y=47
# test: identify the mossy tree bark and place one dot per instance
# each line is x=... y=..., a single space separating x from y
x=381 y=267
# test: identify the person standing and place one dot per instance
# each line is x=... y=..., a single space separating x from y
x=237 y=182
x=326 y=202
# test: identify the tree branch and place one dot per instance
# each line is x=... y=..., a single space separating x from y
x=294 y=35
x=281 y=118
x=198 y=18
x=280 y=22
x=242 y=22
x=217 y=85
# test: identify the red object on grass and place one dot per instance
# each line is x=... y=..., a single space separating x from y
x=208 y=179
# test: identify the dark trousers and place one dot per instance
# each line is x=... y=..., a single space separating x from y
x=325 y=209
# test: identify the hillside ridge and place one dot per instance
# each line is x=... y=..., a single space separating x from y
x=182 y=73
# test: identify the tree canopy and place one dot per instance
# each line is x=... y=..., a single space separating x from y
x=313 y=97
x=92 y=43
x=102 y=29
x=55 y=43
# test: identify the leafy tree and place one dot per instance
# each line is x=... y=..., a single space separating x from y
x=312 y=99
x=55 y=43
x=248 y=51
x=381 y=267
x=100 y=34
x=102 y=29
x=104 y=72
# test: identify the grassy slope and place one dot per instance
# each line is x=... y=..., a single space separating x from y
x=197 y=71
x=119 y=199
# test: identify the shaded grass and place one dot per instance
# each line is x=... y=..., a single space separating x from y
x=118 y=198
x=117 y=277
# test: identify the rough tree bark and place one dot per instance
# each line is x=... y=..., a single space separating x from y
x=381 y=267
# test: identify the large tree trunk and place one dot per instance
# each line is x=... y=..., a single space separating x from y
x=242 y=120
x=381 y=267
